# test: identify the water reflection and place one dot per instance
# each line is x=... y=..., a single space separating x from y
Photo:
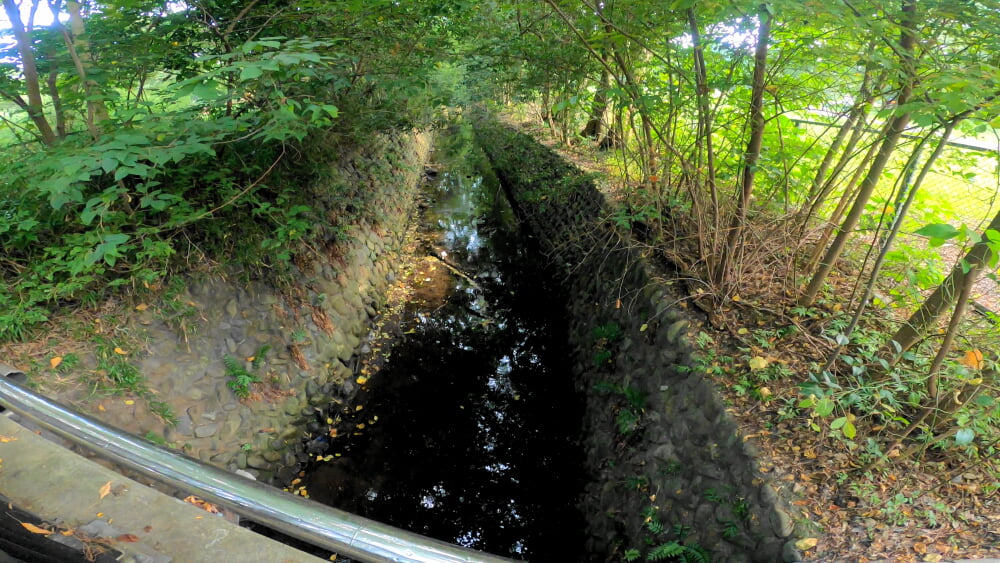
x=477 y=417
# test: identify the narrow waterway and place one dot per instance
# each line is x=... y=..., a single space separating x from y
x=469 y=431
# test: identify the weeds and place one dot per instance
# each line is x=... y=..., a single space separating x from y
x=240 y=380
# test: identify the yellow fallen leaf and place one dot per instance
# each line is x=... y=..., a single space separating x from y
x=251 y=358
x=120 y=352
x=101 y=408
x=737 y=298
x=643 y=327
x=359 y=407
x=5 y=439
x=105 y=490
x=54 y=362
x=35 y=529
x=806 y=543
x=973 y=359
x=141 y=307
x=757 y=363
x=129 y=402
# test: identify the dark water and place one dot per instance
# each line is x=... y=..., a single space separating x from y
x=469 y=431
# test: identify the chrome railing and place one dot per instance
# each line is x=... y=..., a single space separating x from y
x=345 y=533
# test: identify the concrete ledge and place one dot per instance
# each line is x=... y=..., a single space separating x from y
x=60 y=486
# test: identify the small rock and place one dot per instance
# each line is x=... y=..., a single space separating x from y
x=231 y=309
x=789 y=553
x=247 y=474
x=257 y=461
x=206 y=430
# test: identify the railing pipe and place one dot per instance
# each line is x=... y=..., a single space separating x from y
x=342 y=532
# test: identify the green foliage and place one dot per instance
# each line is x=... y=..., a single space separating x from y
x=113 y=366
x=240 y=380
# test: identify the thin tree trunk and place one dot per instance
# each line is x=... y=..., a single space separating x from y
x=838 y=213
x=79 y=50
x=900 y=214
x=860 y=108
x=898 y=123
x=600 y=106
x=29 y=68
x=752 y=155
x=946 y=294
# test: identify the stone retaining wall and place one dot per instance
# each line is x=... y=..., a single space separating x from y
x=311 y=329
x=661 y=449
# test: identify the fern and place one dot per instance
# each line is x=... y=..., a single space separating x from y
x=632 y=555
x=695 y=554
x=258 y=358
x=666 y=551
x=682 y=531
x=240 y=379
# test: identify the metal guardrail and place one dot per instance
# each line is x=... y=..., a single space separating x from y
x=345 y=533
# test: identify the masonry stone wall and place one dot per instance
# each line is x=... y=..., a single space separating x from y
x=661 y=449
x=308 y=333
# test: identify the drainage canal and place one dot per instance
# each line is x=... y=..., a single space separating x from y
x=469 y=429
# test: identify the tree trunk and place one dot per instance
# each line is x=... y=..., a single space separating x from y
x=600 y=106
x=752 y=155
x=860 y=108
x=900 y=214
x=947 y=293
x=83 y=59
x=895 y=131
x=34 y=106
x=838 y=213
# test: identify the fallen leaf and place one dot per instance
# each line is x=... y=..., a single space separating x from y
x=106 y=489
x=35 y=529
x=68 y=532
x=129 y=538
x=129 y=402
x=973 y=359
x=206 y=506
x=757 y=363
x=54 y=362
x=737 y=298
x=5 y=439
x=101 y=408
x=806 y=543
x=120 y=352
x=141 y=307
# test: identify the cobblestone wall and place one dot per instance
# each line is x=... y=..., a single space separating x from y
x=309 y=332
x=661 y=449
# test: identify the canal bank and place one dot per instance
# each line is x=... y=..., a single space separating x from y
x=668 y=471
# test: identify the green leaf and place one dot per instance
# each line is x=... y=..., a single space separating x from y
x=824 y=407
x=250 y=72
x=838 y=423
x=937 y=232
x=965 y=436
x=849 y=430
